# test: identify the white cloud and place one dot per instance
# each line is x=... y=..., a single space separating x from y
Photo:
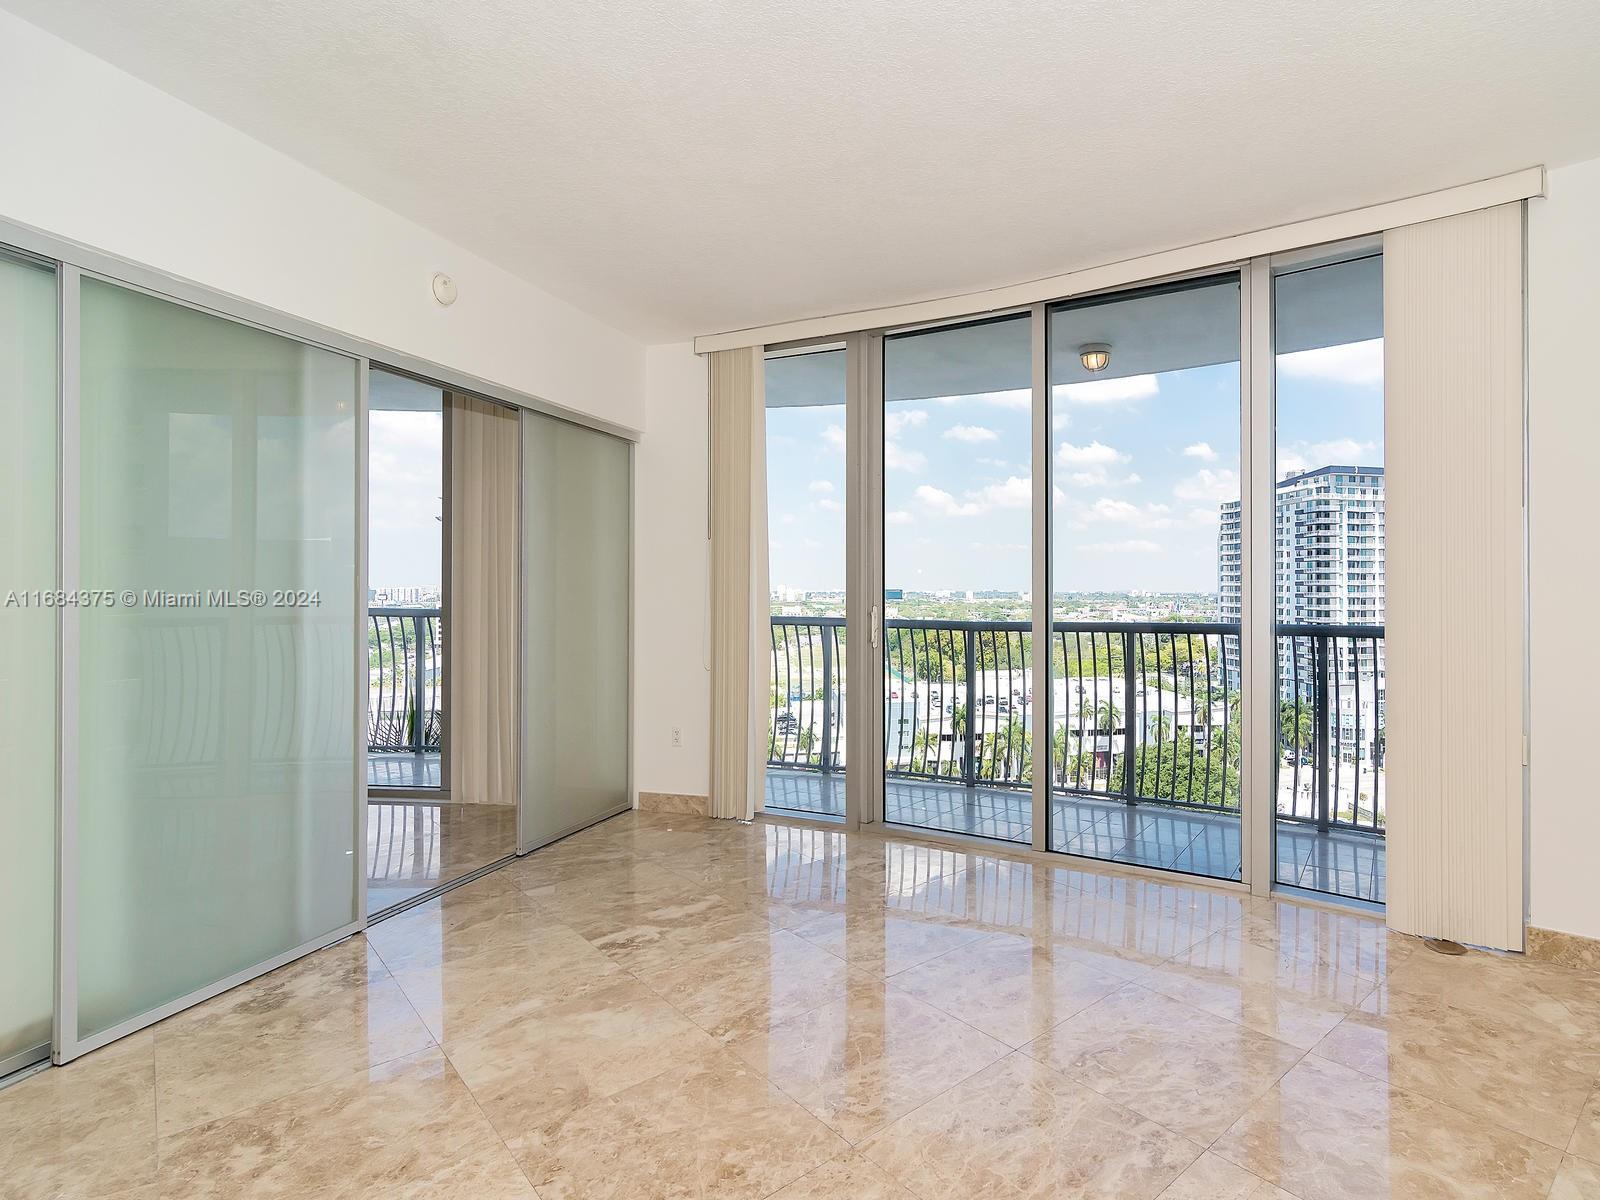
x=1131 y=546
x=898 y=458
x=898 y=517
x=1099 y=477
x=972 y=434
x=820 y=487
x=833 y=435
x=897 y=420
x=1059 y=420
x=1206 y=484
x=1306 y=456
x=1122 y=512
x=1092 y=455
x=1109 y=391
x=999 y=464
x=945 y=504
x=1015 y=492
x=829 y=506
x=1202 y=451
x=1358 y=363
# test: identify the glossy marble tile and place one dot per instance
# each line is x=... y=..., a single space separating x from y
x=318 y=1019
x=500 y=970
x=863 y=1060
x=1586 y=1137
x=714 y=1128
x=751 y=984
x=407 y=1128
x=881 y=943
x=848 y=1177
x=1576 y=1179
x=1326 y=1132
x=1296 y=1000
x=528 y=1074
x=1012 y=988
x=1022 y=1129
x=1520 y=1076
x=1166 y=1060
x=85 y=1129
x=1539 y=996
x=1212 y=1177
x=669 y=1006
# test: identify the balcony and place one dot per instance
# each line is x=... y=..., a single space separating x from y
x=405 y=698
x=959 y=740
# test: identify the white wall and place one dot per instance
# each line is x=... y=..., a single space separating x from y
x=672 y=685
x=97 y=156
x=1564 y=562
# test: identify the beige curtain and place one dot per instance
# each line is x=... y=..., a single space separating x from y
x=1453 y=370
x=481 y=617
x=739 y=670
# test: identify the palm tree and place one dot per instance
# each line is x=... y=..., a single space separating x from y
x=1106 y=717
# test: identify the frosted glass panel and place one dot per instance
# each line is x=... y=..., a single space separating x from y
x=575 y=523
x=216 y=729
x=27 y=662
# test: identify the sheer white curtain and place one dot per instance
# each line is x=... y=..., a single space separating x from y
x=1453 y=372
x=740 y=680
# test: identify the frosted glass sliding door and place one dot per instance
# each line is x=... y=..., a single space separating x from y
x=28 y=659
x=576 y=504
x=211 y=721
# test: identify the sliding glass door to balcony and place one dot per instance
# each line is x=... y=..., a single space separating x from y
x=958 y=643
x=1145 y=747
x=1079 y=662
x=805 y=416
x=211 y=723
x=1329 y=576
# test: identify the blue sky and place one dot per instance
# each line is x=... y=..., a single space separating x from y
x=1140 y=465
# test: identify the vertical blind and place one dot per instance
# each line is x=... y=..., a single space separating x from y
x=738 y=570
x=1453 y=365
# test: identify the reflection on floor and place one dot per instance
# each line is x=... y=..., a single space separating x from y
x=415 y=845
x=670 y=1006
x=1339 y=862
x=386 y=769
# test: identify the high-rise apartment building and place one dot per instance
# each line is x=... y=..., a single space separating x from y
x=1328 y=545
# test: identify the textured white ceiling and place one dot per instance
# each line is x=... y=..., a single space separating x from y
x=682 y=168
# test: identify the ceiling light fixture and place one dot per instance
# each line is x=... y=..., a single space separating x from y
x=1096 y=356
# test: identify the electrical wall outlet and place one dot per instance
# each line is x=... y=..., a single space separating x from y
x=677 y=737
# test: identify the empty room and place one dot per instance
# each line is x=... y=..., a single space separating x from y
x=728 y=601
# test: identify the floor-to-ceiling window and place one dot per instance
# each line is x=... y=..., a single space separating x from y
x=805 y=466
x=957 y=467
x=28 y=664
x=1328 y=571
x=1145 y=747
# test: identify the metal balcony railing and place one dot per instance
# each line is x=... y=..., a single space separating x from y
x=1143 y=712
x=405 y=656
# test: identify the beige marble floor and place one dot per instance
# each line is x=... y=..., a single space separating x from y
x=665 y=1006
